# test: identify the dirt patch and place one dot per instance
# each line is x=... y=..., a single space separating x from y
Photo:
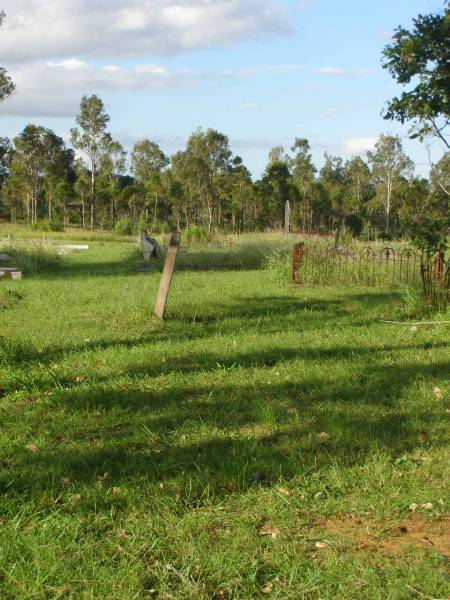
x=415 y=531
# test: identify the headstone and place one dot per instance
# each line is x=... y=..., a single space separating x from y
x=287 y=217
x=149 y=247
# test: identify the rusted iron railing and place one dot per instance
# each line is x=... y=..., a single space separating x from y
x=385 y=267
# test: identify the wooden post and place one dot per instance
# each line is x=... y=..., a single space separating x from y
x=297 y=257
x=166 y=278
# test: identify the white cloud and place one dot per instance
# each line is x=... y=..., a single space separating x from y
x=54 y=88
x=339 y=72
x=70 y=64
x=52 y=29
x=359 y=145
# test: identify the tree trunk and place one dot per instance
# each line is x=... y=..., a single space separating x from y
x=83 y=224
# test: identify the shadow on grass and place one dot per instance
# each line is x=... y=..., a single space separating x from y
x=227 y=437
x=250 y=256
x=243 y=316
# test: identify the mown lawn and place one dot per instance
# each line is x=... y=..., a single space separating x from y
x=264 y=442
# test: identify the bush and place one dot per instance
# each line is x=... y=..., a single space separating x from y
x=196 y=233
x=355 y=223
x=125 y=227
x=46 y=225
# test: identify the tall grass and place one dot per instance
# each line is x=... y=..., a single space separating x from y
x=32 y=258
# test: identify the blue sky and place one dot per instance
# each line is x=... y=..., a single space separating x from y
x=261 y=71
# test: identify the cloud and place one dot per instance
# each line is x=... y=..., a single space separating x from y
x=359 y=145
x=49 y=29
x=339 y=72
x=54 y=88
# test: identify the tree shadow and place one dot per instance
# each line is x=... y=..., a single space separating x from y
x=226 y=437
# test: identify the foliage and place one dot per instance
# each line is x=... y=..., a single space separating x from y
x=420 y=56
x=355 y=223
x=431 y=235
x=125 y=227
x=45 y=225
x=196 y=233
x=7 y=85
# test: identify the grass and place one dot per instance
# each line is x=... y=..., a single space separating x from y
x=264 y=442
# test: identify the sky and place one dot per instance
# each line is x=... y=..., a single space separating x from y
x=261 y=71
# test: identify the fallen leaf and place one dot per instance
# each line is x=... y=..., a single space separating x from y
x=122 y=534
x=75 y=498
x=32 y=448
x=284 y=491
x=427 y=506
x=437 y=392
x=320 y=545
x=269 y=530
x=323 y=436
x=268 y=589
x=116 y=490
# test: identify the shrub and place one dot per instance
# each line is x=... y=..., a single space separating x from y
x=125 y=227
x=355 y=223
x=196 y=233
x=46 y=225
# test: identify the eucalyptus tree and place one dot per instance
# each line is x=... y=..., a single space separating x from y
x=389 y=164
x=82 y=188
x=303 y=176
x=278 y=189
x=90 y=138
x=28 y=166
x=7 y=86
x=58 y=167
x=358 y=183
x=147 y=162
x=332 y=178
x=112 y=166
x=206 y=159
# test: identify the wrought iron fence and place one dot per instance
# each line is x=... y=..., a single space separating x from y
x=385 y=267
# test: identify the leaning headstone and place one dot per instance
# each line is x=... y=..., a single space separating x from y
x=149 y=247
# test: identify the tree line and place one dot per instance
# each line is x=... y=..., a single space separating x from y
x=93 y=184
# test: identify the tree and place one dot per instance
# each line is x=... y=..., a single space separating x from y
x=5 y=156
x=113 y=165
x=147 y=162
x=7 y=86
x=205 y=160
x=421 y=56
x=332 y=178
x=92 y=140
x=277 y=189
x=58 y=166
x=27 y=166
x=358 y=183
x=389 y=163
x=303 y=176
x=277 y=154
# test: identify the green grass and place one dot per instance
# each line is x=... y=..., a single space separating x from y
x=141 y=459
